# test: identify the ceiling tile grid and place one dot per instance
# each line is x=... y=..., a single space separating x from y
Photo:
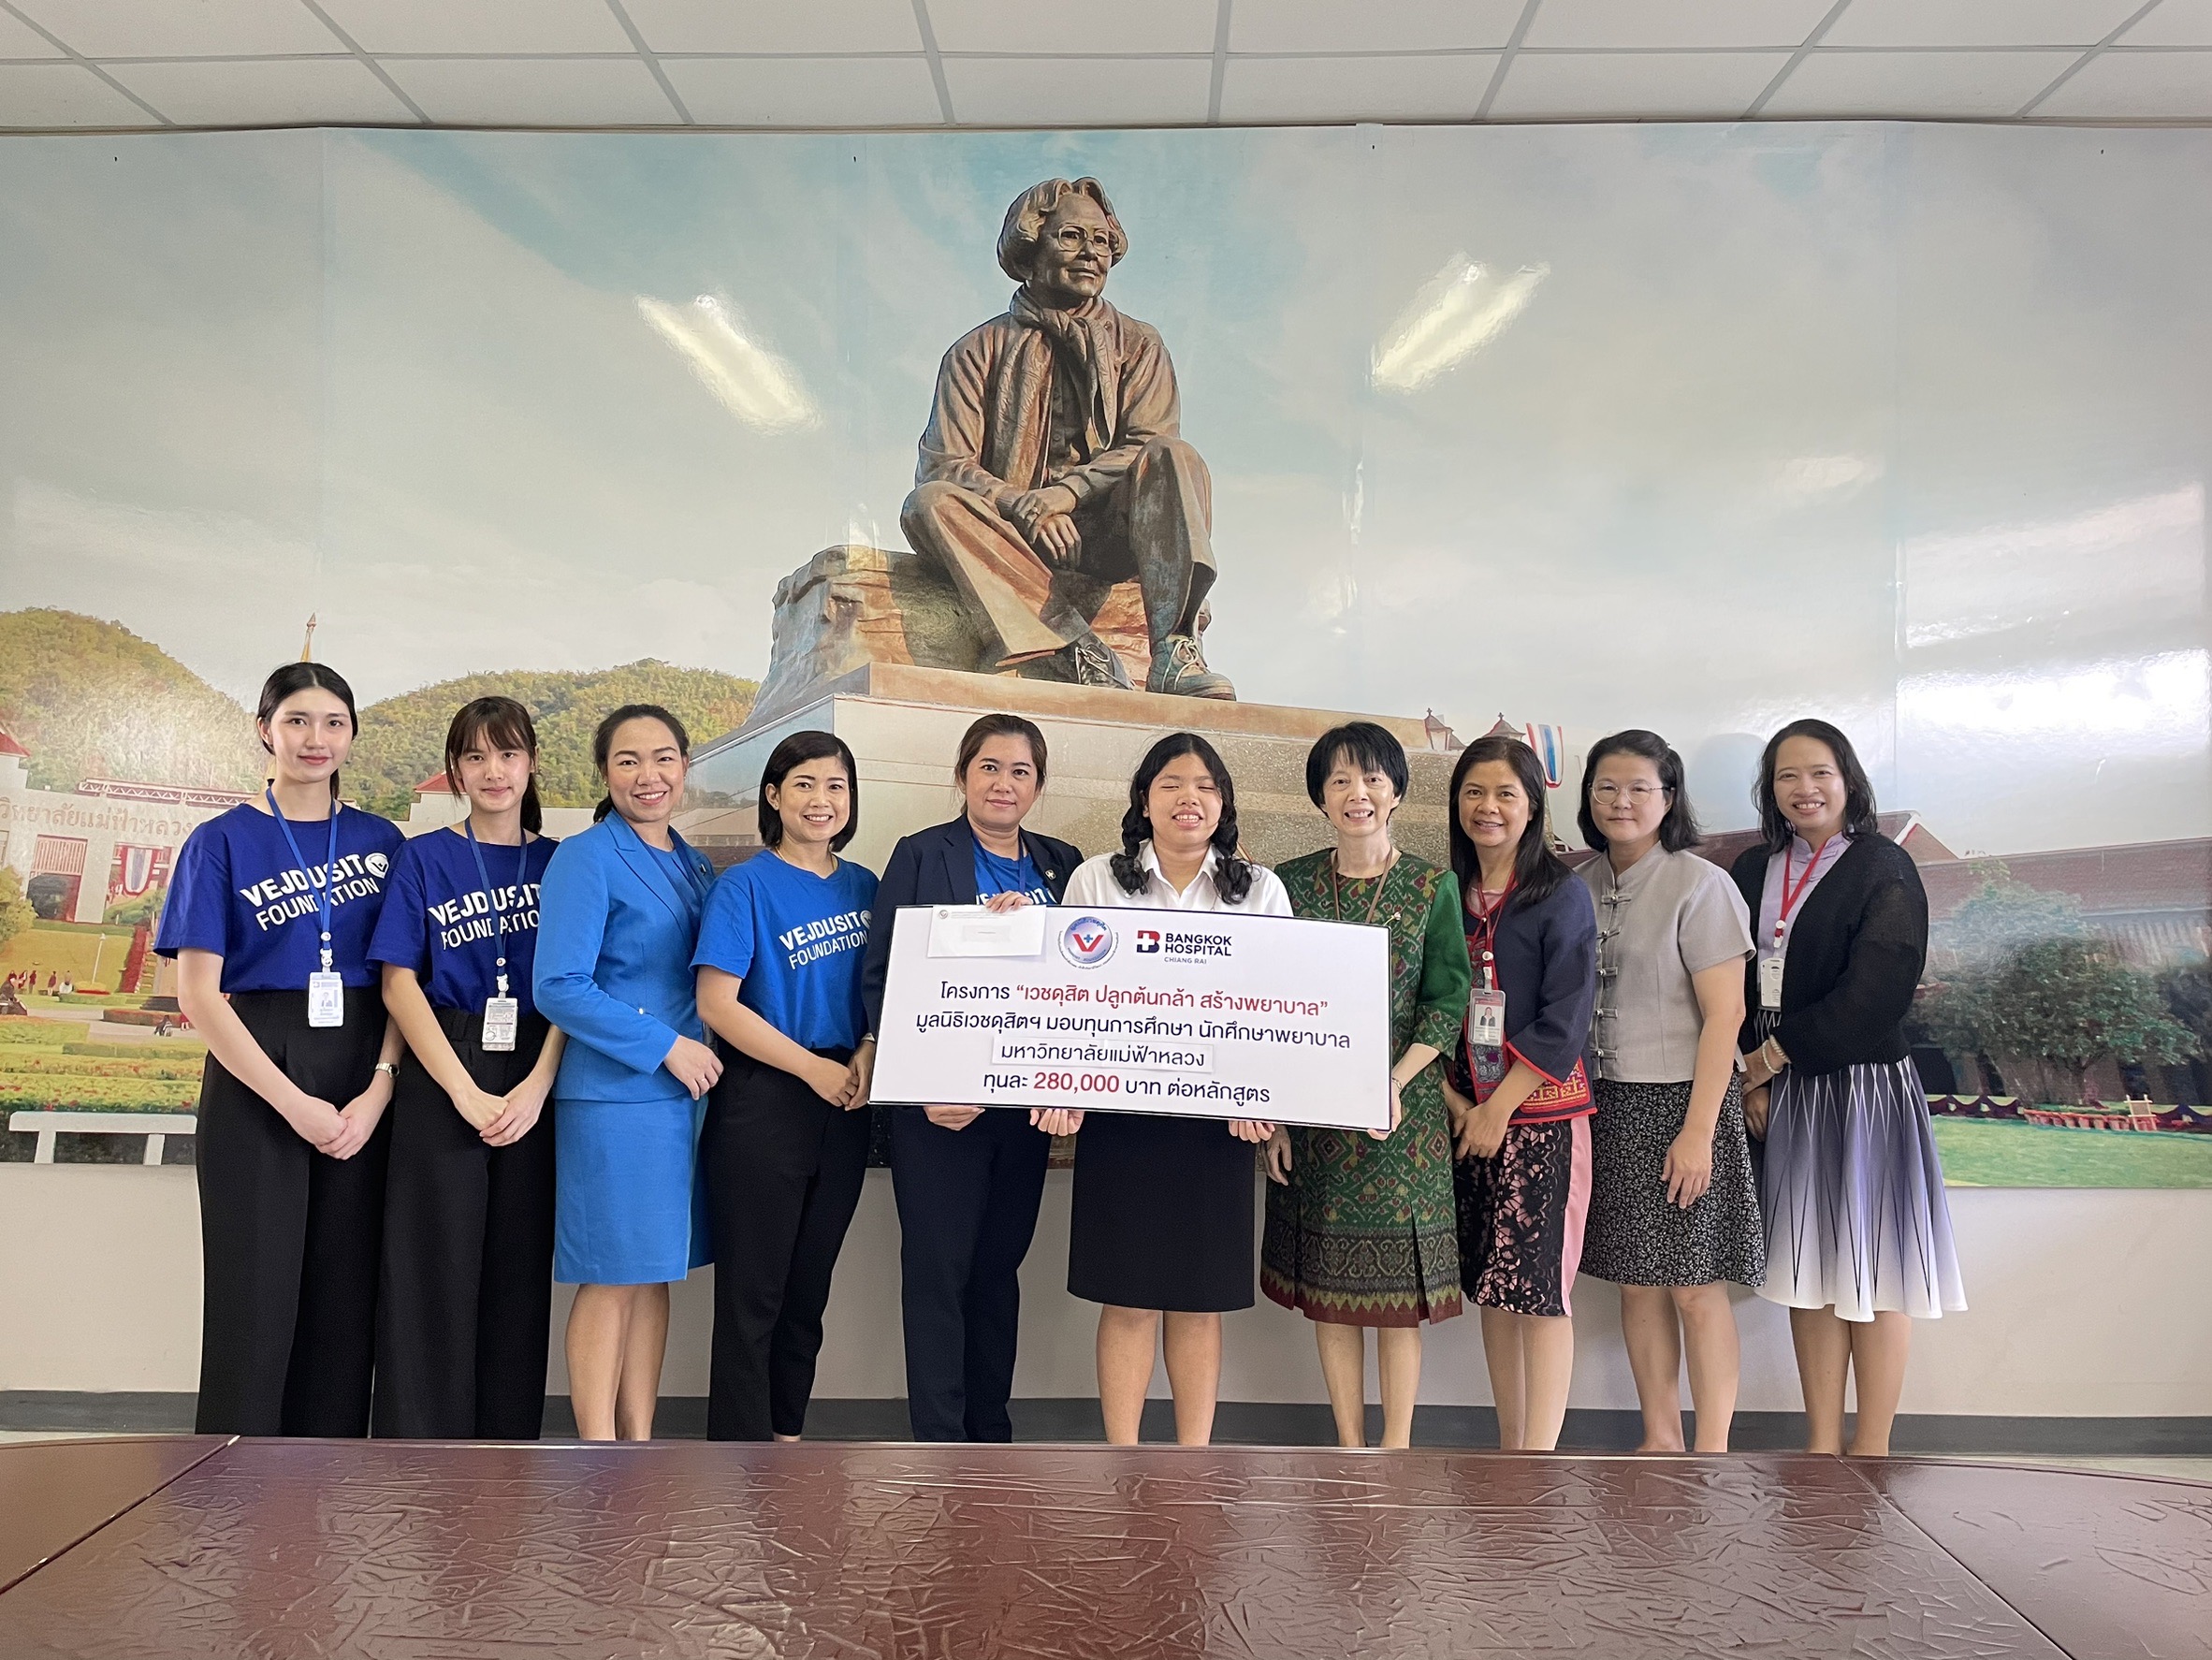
x=897 y=63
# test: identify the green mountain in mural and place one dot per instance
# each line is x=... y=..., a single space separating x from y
x=402 y=739
x=91 y=700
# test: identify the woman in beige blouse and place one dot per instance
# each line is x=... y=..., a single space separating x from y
x=1674 y=1210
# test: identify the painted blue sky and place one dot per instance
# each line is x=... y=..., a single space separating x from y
x=1907 y=426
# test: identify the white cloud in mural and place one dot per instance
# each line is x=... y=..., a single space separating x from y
x=2105 y=566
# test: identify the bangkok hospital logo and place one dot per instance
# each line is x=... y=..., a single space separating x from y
x=1086 y=942
x=1147 y=940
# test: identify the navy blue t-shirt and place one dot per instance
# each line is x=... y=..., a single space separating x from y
x=995 y=875
x=238 y=891
x=796 y=941
x=438 y=920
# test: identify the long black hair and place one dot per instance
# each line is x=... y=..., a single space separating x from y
x=603 y=742
x=1679 y=829
x=500 y=724
x=1233 y=875
x=1537 y=871
x=298 y=676
x=1858 y=792
x=797 y=751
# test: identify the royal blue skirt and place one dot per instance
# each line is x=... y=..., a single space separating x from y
x=629 y=1208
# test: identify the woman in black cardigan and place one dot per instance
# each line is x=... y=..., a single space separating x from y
x=1859 y=1235
x=968 y=1180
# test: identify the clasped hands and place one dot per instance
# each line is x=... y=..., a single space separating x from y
x=336 y=1132
x=1046 y=518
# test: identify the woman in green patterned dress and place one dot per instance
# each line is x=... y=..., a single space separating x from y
x=1363 y=1228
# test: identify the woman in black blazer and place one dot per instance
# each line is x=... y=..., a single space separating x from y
x=1859 y=1235
x=968 y=1180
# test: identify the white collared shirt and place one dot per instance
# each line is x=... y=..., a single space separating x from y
x=1094 y=883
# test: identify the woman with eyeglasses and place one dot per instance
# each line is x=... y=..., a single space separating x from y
x=1674 y=1211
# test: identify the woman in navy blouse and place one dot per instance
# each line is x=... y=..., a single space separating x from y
x=618 y=919
x=968 y=1180
x=1519 y=1093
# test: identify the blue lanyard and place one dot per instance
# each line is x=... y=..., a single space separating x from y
x=329 y=864
x=492 y=899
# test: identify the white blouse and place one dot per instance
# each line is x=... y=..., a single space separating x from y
x=1094 y=883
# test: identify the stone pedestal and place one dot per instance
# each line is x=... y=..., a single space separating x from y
x=904 y=724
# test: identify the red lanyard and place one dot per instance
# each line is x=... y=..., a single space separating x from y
x=1793 y=897
x=1483 y=936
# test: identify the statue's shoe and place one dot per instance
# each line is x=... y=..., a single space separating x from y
x=1084 y=661
x=1179 y=669
x=1096 y=663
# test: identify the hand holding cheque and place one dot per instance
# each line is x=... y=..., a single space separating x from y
x=1195 y=1014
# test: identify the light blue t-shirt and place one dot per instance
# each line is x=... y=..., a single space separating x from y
x=797 y=941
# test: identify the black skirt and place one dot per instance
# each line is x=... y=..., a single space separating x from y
x=290 y=1239
x=1162 y=1215
x=467 y=1297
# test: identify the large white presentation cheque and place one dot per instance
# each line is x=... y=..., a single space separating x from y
x=1201 y=1014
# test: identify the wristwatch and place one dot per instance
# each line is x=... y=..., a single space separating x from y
x=389 y=1066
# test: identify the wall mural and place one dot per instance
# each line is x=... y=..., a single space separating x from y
x=1691 y=428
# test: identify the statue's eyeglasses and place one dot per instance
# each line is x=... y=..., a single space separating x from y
x=1074 y=239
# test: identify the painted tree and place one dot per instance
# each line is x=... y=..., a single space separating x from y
x=15 y=910
x=1968 y=951
x=2068 y=1003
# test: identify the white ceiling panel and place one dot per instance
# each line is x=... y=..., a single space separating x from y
x=1077 y=91
x=810 y=26
x=1917 y=83
x=2137 y=85
x=63 y=94
x=2175 y=23
x=1979 y=23
x=1625 y=86
x=18 y=39
x=479 y=25
x=536 y=92
x=1073 y=25
x=1676 y=22
x=1361 y=26
x=181 y=28
x=269 y=92
x=805 y=92
x=1293 y=90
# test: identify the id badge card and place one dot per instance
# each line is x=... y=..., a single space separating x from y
x=1771 y=982
x=502 y=1016
x=326 y=998
x=1486 y=1020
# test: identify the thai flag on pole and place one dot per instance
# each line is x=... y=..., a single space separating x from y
x=1549 y=743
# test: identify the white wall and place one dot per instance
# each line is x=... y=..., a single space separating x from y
x=2085 y=1302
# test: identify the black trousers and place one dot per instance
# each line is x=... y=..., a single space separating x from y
x=289 y=1238
x=468 y=1255
x=783 y=1176
x=967 y=1204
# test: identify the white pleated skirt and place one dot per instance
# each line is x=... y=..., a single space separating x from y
x=1851 y=1191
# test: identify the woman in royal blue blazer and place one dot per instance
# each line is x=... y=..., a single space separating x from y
x=618 y=921
x=968 y=1180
